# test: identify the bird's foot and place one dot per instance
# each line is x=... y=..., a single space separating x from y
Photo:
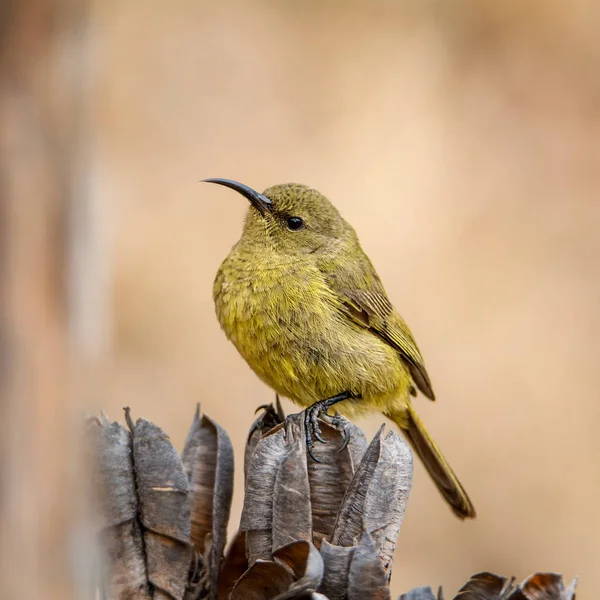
x=312 y=429
x=311 y=422
x=272 y=416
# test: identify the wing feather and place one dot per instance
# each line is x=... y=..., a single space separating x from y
x=364 y=300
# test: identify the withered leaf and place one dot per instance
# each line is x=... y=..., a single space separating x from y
x=305 y=562
x=329 y=480
x=349 y=524
x=336 y=561
x=257 y=513
x=483 y=586
x=266 y=420
x=420 y=593
x=259 y=544
x=367 y=578
x=357 y=444
x=234 y=565
x=162 y=488
x=116 y=477
x=570 y=592
x=291 y=495
x=121 y=537
x=546 y=586
x=387 y=496
x=262 y=581
x=208 y=462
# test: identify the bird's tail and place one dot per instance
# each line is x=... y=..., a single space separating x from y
x=435 y=463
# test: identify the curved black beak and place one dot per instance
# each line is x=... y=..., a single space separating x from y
x=259 y=201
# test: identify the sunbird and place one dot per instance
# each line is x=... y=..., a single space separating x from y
x=304 y=306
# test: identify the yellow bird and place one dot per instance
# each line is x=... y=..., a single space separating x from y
x=304 y=306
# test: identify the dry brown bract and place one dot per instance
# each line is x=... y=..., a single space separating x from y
x=320 y=531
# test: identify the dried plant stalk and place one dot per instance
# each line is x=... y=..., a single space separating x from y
x=235 y=564
x=164 y=503
x=208 y=461
x=145 y=509
x=335 y=466
x=309 y=531
x=540 y=586
x=292 y=519
x=257 y=513
x=422 y=593
x=359 y=507
x=122 y=534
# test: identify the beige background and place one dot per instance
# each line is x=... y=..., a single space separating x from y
x=461 y=139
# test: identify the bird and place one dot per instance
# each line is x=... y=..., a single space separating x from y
x=303 y=305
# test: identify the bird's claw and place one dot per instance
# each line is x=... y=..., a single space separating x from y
x=316 y=430
x=272 y=416
x=259 y=424
x=311 y=421
x=341 y=424
x=346 y=432
x=312 y=429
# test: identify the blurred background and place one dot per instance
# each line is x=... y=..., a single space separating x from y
x=461 y=139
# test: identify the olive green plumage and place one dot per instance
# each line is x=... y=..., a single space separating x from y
x=308 y=312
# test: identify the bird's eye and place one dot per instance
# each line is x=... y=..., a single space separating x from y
x=294 y=223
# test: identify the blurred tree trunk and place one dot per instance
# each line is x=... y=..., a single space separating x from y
x=39 y=97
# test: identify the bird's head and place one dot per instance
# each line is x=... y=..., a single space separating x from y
x=289 y=218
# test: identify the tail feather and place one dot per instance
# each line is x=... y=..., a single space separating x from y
x=435 y=463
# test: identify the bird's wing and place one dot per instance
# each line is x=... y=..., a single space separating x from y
x=364 y=300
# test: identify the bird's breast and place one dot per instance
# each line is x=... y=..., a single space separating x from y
x=291 y=329
x=268 y=306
